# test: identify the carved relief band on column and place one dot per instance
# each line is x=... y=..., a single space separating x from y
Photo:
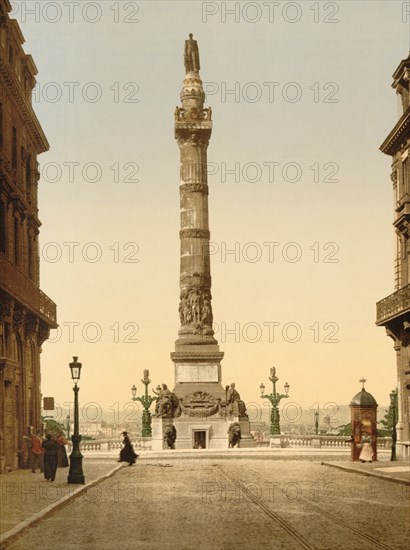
x=194 y=188
x=194 y=233
x=195 y=136
x=195 y=309
x=196 y=279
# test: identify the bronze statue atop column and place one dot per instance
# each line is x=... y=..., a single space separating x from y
x=191 y=55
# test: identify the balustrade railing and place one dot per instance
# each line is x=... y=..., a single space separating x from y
x=326 y=441
x=286 y=441
x=90 y=445
x=395 y=304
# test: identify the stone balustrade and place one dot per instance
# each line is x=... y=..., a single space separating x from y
x=90 y=445
x=286 y=441
x=326 y=441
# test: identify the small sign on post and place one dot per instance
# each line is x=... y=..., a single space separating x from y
x=48 y=403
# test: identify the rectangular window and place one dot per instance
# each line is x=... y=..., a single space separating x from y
x=406 y=182
x=28 y=175
x=1 y=124
x=30 y=258
x=2 y=227
x=16 y=242
x=14 y=149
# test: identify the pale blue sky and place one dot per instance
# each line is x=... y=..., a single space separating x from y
x=358 y=54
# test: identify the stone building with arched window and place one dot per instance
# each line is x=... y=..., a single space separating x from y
x=26 y=313
x=393 y=312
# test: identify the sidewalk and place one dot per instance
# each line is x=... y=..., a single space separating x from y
x=26 y=497
x=397 y=471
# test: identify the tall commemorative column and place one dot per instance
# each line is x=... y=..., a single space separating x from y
x=197 y=356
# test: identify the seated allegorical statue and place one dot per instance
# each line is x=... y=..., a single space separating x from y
x=167 y=402
x=234 y=404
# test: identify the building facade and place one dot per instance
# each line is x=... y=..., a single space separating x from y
x=393 y=312
x=26 y=313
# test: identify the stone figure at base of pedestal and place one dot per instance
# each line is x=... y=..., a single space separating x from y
x=234 y=434
x=170 y=435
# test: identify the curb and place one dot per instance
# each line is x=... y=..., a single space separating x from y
x=9 y=536
x=369 y=474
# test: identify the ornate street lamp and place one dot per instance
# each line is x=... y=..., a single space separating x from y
x=75 y=474
x=146 y=401
x=274 y=398
x=393 y=408
x=317 y=421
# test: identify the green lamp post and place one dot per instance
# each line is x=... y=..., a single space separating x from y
x=393 y=407
x=75 y=474
x=274 y=398
x=146 y=401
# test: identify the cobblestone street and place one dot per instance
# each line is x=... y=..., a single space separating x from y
x=214 y=503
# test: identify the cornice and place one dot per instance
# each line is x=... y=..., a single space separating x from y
x=401 y=130
x=26 y=110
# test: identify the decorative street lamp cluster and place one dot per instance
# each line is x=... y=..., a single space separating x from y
x=274 y=398
x=146 y=401
x=75 y=474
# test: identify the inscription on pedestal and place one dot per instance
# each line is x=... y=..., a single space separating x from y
x=196 y=373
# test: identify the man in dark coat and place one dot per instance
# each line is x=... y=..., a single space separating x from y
x=50 y=458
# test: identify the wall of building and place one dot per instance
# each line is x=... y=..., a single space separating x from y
x=26 y=313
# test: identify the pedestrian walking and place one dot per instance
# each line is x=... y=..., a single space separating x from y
x=62 y=460
x=366 y=454
x=127 y=453
x=36 y=453
x=26 y=458
x=50 y=458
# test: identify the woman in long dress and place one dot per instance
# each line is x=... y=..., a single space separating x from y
x=50 y=458
x=62 y=460
x=366 y=454
x=127 y=453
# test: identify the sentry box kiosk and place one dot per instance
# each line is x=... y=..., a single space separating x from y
x=364 y=422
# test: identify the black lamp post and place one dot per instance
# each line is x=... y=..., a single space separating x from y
x=274 y=398
x=68 y=426
x=75 y=474
x=393 y=408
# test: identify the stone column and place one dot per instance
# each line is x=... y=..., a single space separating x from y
x=193 y=127
x=197 y=356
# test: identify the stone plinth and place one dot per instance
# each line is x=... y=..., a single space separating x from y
x=275 y=442
x=158 y=429
x=246 y=438
x=211 y=430
x=146 y=443
x=207 y=432
x=315 y=441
